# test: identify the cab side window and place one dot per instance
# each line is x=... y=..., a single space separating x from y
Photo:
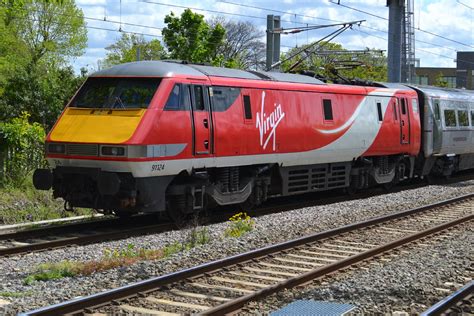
x=178 y=99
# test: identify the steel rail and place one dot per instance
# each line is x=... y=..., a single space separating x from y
x=100 y=299
x=450 y=301
x=87 y=239
x=272 y=206
x=312 y=275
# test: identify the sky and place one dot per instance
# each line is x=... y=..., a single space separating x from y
x=442 y=27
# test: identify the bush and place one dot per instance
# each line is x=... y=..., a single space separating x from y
x=21 y=149
x=239 y=224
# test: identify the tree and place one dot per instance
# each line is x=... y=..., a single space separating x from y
x=190 y=38
x=440 y=81
x=125 y=50
x=40 y=37
x=13 y=52
x=43 y=95
x=369 y=65
x=242 y=47
x=50 y=29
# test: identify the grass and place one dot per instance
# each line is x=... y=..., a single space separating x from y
x=52 y=271
x=114 y=258
x=239 y=224
x=26 y=204
x=15 y=294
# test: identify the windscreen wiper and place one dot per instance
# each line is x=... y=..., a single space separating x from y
x=119 y=101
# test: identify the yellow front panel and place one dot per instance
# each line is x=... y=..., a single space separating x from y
x=96 y=126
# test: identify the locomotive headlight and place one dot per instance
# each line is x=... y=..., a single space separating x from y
x=55 y=148
x=112 y=151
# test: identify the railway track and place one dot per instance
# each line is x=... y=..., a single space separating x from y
x=458 y=302
x=82 y=233
x=227 y=285
x=77 y=234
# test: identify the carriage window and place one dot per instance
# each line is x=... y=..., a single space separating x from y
x=379 y=111
x=436 y=110
x=472 y=118
x=198 y=98
x=450 y=118
x=327 y=107
x=404 y=107
x=414 y=104
x=463 y=118
x=247 y=107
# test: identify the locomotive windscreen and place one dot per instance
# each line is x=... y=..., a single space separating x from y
x=116 y=93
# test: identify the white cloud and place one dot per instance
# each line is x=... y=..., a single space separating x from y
x=444 y=17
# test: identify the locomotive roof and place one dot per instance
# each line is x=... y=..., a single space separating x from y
x=170 y=68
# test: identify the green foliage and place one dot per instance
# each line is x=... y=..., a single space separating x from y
x=113 y=258
x=190 y=38
x=195 y=238
x=239 y=224
x=440 y=81
x=367 y=66
x=44 y=97
x=125 y=50
x=38 y=38
x=21 y=149
x=52 y=271
x=51 y=30
x=15 y=294
x=173 y=248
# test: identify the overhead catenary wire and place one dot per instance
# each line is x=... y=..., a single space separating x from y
x=416 y=28
x=361 y=26
x=221 y=12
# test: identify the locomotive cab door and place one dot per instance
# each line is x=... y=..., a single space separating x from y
x=202 y=122
x=404 y=121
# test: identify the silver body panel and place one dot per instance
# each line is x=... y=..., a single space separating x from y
x=441 y=106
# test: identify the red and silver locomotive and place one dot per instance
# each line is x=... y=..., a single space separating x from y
x=159 y=136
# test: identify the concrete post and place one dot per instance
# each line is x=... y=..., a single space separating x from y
x=394 y=57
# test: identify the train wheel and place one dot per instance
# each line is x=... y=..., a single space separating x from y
x=176 y=210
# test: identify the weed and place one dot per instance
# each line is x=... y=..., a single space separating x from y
x=197 y=237
x=114 y=258
x=173 y=248
x=52 y=271
x=239 y=224
x=15 y=294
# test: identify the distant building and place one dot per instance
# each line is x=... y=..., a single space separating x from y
x=464 y=70
x=429 y=76
x=459 y=77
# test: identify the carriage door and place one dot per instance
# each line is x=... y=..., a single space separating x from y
x=404 y=121
x=202 y=124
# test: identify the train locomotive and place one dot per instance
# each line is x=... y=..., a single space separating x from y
x=159 y=136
